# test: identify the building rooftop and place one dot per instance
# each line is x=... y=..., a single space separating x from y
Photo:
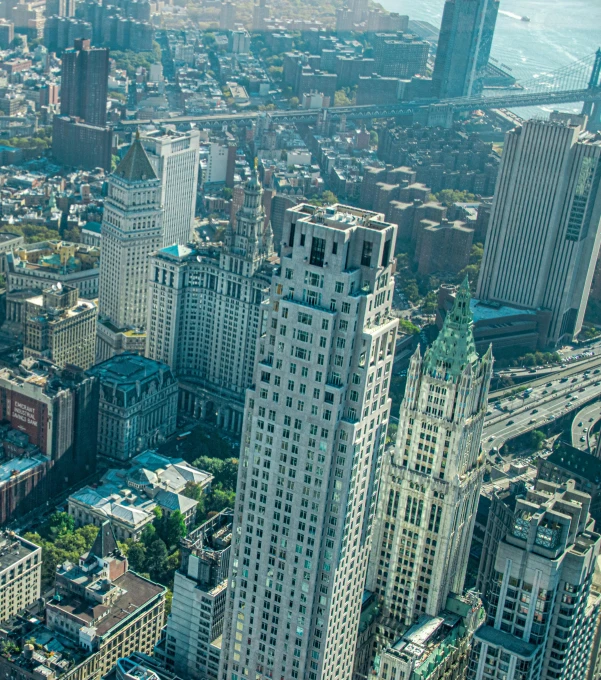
x=126 y=370
x=135 y=165
x=136 y=592
x=485 y=311
x=12 y=468
x=13 y=548
x=575 y=461
x=511 y=643
x=130 y=496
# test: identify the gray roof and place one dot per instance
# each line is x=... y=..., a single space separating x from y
x=500 y=638
x=174 y=501
x=135 y=166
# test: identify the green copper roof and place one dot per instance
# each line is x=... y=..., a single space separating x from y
x=454 y=347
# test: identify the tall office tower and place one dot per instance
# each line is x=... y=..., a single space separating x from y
x=260 y=13
x=84 y=82
x=542 y=615
x=131 y=232
x=464 y=44
x=175 y=157
x=227 y=15
x=82 y=123
x=204 y=312
x=543 y=237
x=314 y=429
x=192 y=641
x=431 y=481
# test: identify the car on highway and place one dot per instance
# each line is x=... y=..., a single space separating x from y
x=582 y=439
x=510 y=422
x=580 y=424
x=491 y=438
x=596 y=371
x=590 y=420
x=534 y=410
x=581 y=389
x=550 y=384
x=574 y=380
x=585 y=429
x=532 y=420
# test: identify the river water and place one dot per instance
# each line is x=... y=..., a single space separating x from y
x=559 y=33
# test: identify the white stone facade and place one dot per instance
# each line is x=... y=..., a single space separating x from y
x=314 y=429
x=175 y=159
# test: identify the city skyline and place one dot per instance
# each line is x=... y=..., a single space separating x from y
x=300 y=334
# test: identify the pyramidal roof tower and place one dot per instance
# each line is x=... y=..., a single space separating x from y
x=132 y=229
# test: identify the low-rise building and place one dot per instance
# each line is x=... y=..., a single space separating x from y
x=35 y=266
x=100 y=612
x=435 y=647
x=55 y=411
x=20 y=573
x=60 y=327
x=138 y=405
x=128 y=497
x=192 y=643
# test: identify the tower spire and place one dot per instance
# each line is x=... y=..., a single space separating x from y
x=454 y=347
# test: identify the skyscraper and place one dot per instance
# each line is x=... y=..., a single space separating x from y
x=543 y=237
x=174 y=157
x=464 y=44
x=131 y=232
x=82 y=123
x=205 y=312
x=430 y=482
x=193 y=636
x=314 y=429
x=542 y=615
x=84 y=82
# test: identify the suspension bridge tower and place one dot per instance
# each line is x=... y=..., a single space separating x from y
x=593 y=108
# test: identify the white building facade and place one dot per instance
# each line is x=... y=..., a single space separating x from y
x=175 y=159
x=543 y=238
x=542 y=615
x=204 y=312
x=314 y=429
x=131 y=232
x=430 y=481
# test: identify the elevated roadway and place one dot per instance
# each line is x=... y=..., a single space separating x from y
x=547 y=402
x=309 y=116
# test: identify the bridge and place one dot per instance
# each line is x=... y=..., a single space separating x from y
x=577 y=82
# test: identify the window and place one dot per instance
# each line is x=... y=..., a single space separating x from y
x=366 y=253
x=318 y=251
x=339 y=287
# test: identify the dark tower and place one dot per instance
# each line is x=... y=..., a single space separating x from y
x=464 y=44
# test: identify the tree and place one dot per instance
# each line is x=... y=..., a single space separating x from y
x=156 y=559
x=174 y=528
x=60 y=523
x=294 y=102
x=408 y=327
x=224 y=471
x=373 y=138
x=136 y=556
x=219 y=500
x=341 y=98
x=450 y=196
x=329 y=198
x=148 y=535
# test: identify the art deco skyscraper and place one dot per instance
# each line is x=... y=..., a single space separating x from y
x=543 y=237
x=431 y=480
x=314 y=430
x=464 y=44
x=131 y=232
